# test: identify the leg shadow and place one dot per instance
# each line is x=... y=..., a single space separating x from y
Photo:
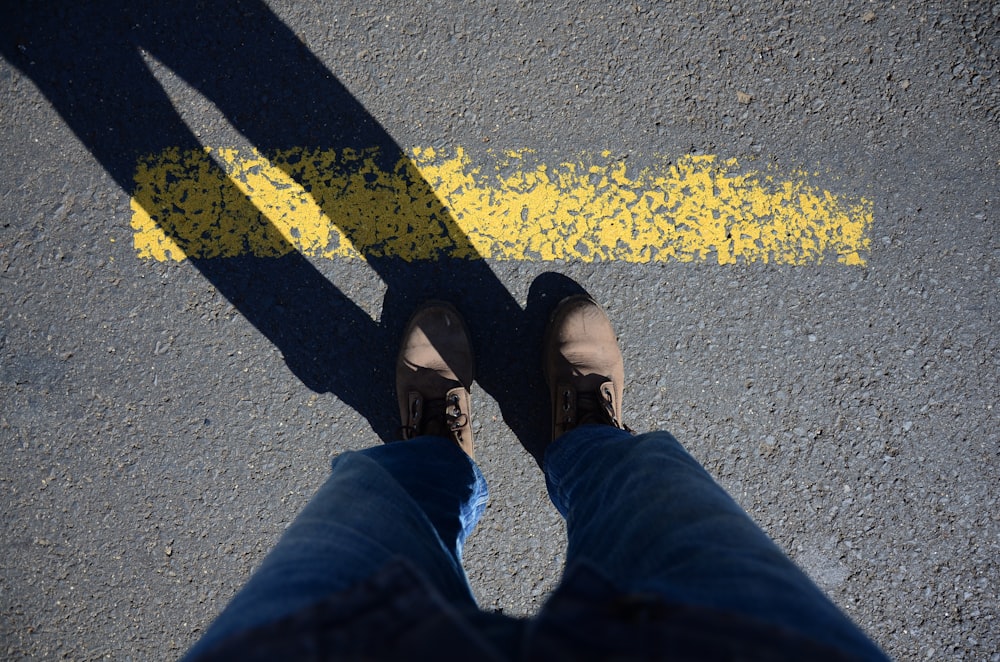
x=88 y=61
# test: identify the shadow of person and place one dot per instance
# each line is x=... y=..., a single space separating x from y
x=87 y=61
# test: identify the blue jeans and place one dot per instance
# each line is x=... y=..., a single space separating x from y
x=638 y=508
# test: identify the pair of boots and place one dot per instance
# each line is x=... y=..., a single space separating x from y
x=434 y=372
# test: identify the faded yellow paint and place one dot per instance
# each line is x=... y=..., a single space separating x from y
x=341 y=204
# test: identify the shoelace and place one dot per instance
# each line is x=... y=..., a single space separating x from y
x=594 y=407
x=440 y=416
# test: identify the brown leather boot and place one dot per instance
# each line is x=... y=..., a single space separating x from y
x=434 y=374
x=583 y=366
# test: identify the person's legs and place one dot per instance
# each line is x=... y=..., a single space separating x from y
x=418 y=500
x=645 y=513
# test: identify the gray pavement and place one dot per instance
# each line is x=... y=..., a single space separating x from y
x=161 y=423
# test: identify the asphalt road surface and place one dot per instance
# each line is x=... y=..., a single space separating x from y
x=162 y=420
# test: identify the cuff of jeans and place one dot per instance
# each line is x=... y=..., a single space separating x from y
x=566 y=446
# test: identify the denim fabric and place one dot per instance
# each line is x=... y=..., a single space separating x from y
x=638 y=508
x=647 y=514
x=417 y=499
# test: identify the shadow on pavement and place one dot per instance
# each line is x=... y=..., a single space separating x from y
x=87 y=61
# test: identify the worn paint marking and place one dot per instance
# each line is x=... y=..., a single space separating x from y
x=340 y=204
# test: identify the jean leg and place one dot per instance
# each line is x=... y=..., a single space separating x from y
x=645 y=512
x=417 y=499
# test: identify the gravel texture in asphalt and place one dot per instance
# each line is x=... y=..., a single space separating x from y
x=162 y=422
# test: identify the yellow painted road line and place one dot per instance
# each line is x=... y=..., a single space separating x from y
x=339 y=204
